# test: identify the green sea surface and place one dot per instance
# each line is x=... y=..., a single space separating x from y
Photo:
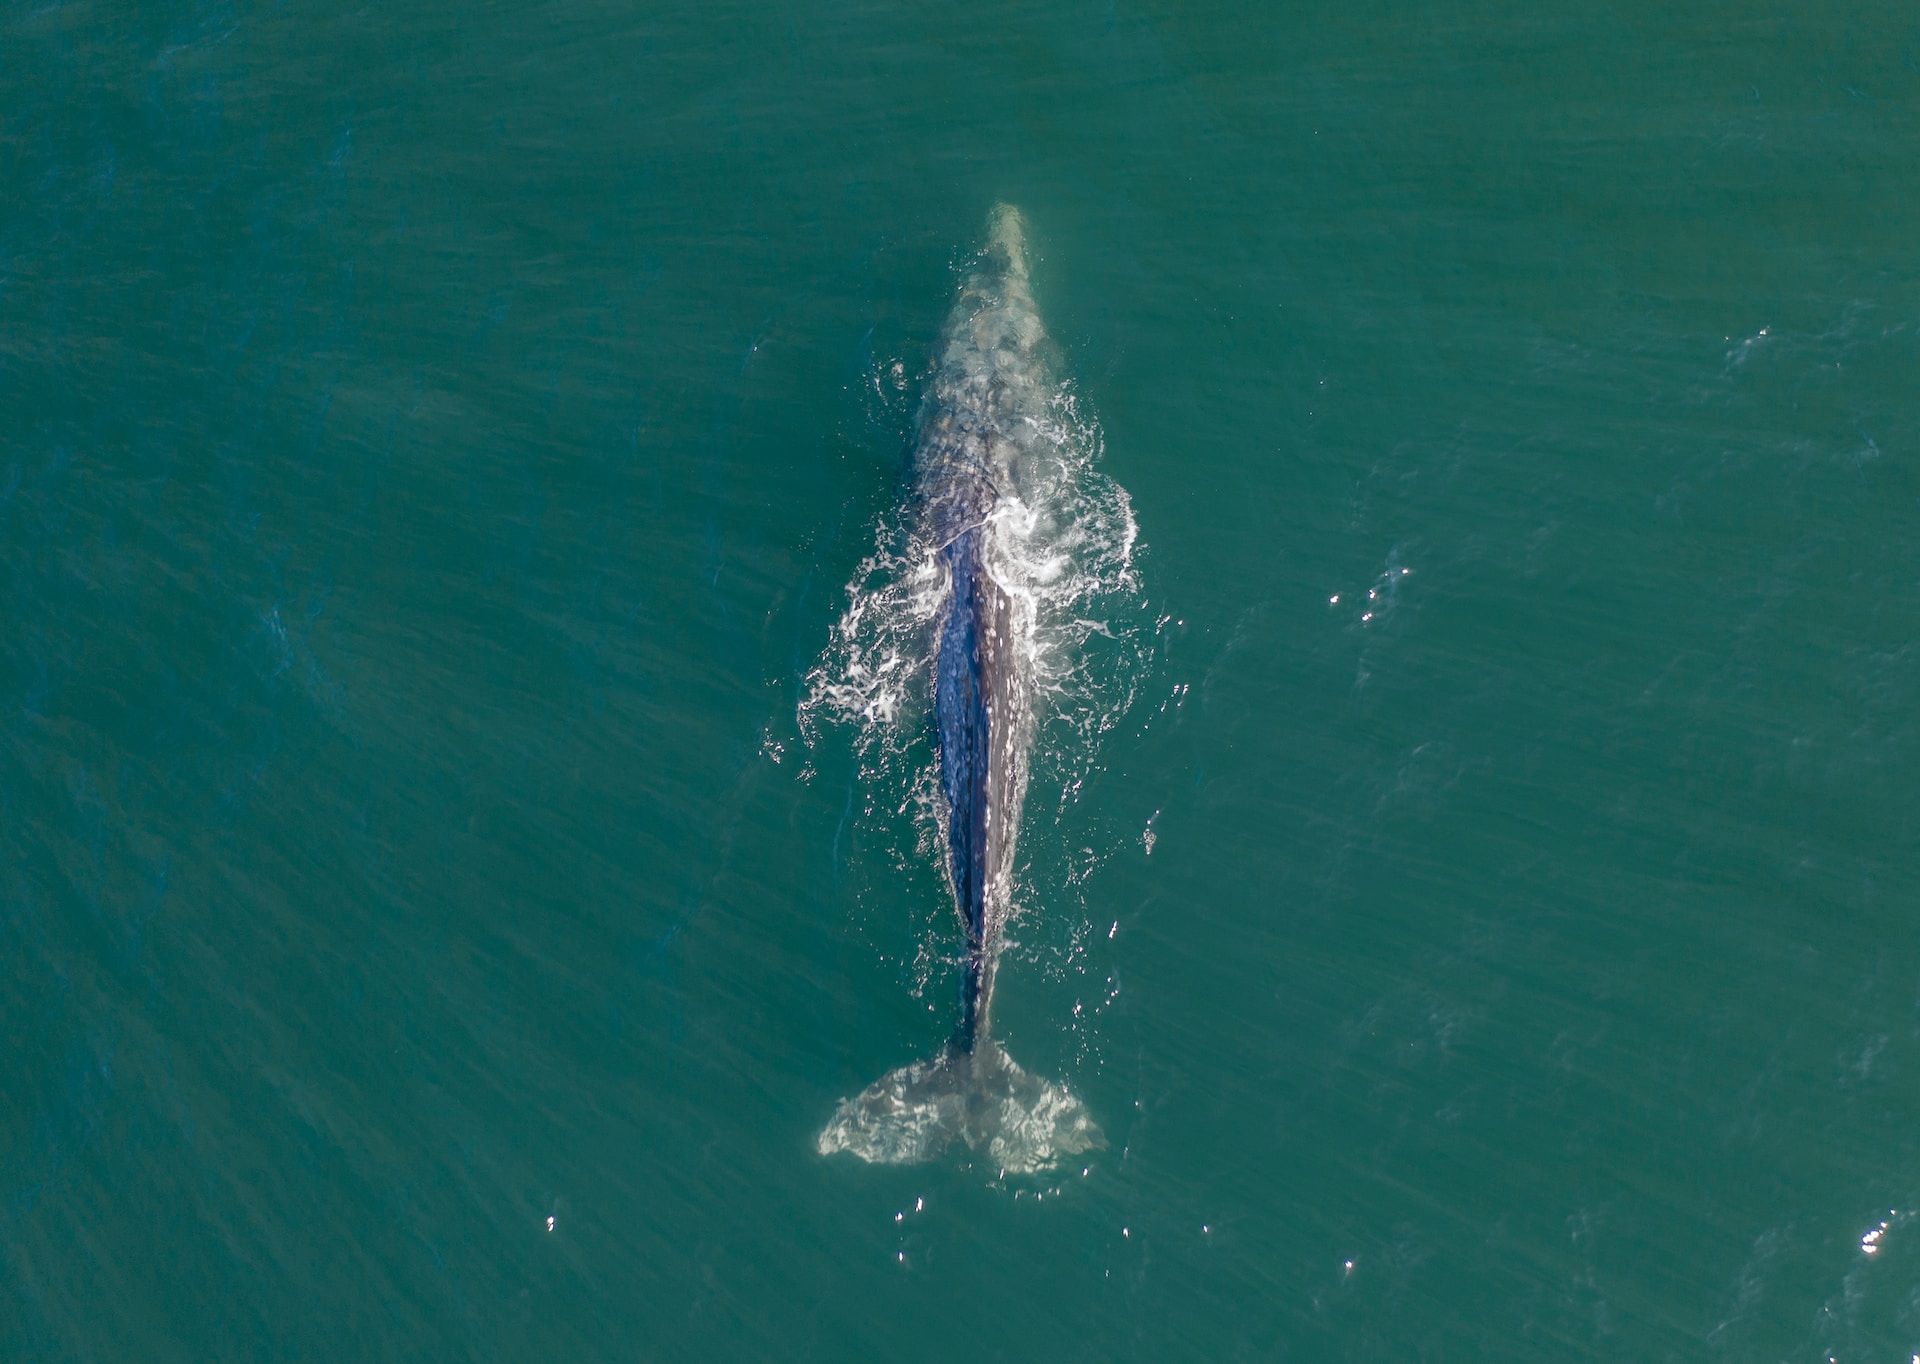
x=435 y=444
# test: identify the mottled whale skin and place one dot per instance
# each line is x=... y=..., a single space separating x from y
x=980 y=709
x=989 y=385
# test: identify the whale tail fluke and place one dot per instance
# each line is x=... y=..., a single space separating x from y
x=1022 y=1123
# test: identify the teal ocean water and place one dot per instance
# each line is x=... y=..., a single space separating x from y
x=1472 y=879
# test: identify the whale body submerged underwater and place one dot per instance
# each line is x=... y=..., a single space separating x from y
x=987 y=393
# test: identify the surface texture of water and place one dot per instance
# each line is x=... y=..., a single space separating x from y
x=435 y=442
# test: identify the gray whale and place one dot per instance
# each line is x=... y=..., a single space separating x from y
x=990 y=385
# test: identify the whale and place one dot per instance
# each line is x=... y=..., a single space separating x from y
x=988 y=388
